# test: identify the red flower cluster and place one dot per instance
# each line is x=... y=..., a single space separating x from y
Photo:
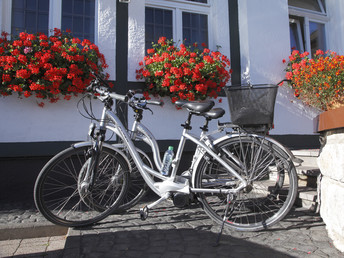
x=183 y=73
x=47 y=67
x=319 y=81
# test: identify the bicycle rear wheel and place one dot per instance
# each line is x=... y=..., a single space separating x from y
x=271 y=190
x=59 y=194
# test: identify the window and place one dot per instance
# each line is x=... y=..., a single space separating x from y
x=31 y=16
x=181 y=20
x=307 y=25
x=78 y=16
x=195 y=28
x=158 y=23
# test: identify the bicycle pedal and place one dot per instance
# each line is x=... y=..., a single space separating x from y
x=144 y=213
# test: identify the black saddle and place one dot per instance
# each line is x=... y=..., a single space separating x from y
x=214 y=113
x=195 y=107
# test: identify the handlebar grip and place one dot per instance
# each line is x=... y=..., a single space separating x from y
x=123 y=98
x=112 y=95
x=154 y=102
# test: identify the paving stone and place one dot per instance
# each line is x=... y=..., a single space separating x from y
x=174 y=232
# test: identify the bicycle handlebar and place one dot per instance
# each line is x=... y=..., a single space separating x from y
x=112 y=95
x=153 y=102
x=124 y=98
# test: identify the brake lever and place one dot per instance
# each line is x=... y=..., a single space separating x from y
x=147 y=108
x=95 y=82
x=143 y=105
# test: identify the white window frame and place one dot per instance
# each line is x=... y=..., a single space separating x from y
x=55 y=16
x=310 y=16
x=178 y=7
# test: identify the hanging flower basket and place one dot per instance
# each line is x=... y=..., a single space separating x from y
x=317 y=81
x=47 y=67
x=184 y=72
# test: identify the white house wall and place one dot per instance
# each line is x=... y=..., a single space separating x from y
x=22 y=120
x=335 y=27
x=106 y=32
x=264 y=42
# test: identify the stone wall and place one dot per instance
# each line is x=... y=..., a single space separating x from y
x=331 y=164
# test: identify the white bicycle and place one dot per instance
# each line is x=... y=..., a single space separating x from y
x=243 y=180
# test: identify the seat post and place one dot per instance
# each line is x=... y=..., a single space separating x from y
x=187 y=124
x=204 y=128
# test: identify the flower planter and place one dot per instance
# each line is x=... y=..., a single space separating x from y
x=331 y=164
x=330 y=120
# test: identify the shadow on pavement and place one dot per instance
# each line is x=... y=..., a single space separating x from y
x=164 y=243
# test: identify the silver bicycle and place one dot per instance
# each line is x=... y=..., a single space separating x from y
x=242 y=180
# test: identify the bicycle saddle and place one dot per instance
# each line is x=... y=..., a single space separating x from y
x=195 y=106
x=214 y=113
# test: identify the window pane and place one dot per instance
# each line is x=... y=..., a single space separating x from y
x=67 y=22
x=89 y=25
x=78 y=16
x=306 y=4
x=31 y=5
x=294 y=38
x=77 y=25
x=317 y=35
x=17 y=19
x=78 y=7
x=158 y=24
x=18 y=4
x=67 y=6
x=296 y=33
x=195 y=28
x=89 y=7
x=30 y=15
x=42 y=19
x=159 y=17
x=43 y=5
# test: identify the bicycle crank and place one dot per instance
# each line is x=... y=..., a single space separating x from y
x=144 y=213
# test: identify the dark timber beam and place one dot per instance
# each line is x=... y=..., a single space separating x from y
x=234 y=41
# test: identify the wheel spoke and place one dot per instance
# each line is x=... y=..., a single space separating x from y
x=65 y=197
x=271 y=188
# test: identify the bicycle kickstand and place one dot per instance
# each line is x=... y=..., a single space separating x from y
x=145 y=210
x=229 y=199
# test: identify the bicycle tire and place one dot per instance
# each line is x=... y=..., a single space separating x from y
x=271 y=191
x=57 y=189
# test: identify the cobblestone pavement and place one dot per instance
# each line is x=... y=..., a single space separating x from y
x=174 y=232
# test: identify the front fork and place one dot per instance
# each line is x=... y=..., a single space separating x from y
x=92 y=158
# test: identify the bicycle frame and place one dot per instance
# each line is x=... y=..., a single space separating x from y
x=172 y=183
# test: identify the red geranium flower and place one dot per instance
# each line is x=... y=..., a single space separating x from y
x=47 y=67
x=183 y=73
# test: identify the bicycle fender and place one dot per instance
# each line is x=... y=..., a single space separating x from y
x=82 y=144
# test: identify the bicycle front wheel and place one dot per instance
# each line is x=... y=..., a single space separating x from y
x=271 y=177
x=61 y=196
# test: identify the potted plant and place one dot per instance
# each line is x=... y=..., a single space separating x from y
x=47 y=67
x=319 y=82
x=184 y=72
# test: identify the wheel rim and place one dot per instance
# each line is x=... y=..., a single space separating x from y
x=62 y=201
x=268 y=196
